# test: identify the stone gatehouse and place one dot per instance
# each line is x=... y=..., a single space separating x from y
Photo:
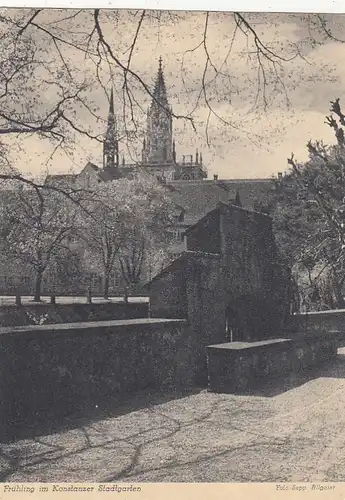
x=230 y=284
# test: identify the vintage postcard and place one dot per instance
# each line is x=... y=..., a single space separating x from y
x=172 y=252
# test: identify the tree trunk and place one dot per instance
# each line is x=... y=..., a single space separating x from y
x=338 y=289
x=38 y=285
x=106 y=286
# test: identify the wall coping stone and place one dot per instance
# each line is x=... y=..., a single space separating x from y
x=318 y=313
x=90 y=325
x=297 y=337
x=237 y=346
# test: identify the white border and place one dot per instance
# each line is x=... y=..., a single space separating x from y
x=332 y=6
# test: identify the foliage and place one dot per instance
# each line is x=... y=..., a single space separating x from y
x=310 y=216
x=130 y=222
x=35 y=228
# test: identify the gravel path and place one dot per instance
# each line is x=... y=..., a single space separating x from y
x=293 y=431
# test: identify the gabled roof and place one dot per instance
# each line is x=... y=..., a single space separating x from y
x=197 y=197
x=88 y=166
x=201 y=196
x=229 y=207
x=108 y=174
x=250 y=191
x=179 y=263
x=60 y=178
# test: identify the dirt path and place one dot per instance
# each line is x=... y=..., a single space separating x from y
x=295 y=432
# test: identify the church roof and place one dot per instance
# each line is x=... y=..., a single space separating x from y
x=200 y=197
x=108 y=174
x=197 y=197
x=60 y=179
x=250 y=191
x=228 y=206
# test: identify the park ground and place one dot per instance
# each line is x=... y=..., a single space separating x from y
x=6 y=300
x=291 y=430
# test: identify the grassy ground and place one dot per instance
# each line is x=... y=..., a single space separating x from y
x=291 y=430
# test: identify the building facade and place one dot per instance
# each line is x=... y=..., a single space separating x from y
x=158 y=156
x=186 y=181
x=230 y=284
x=193 y=194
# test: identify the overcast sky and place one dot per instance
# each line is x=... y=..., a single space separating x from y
x=246 y=139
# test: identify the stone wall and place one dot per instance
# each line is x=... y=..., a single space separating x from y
x=254 y=279
x=56 y=369
x=248 y=250
x=239 y=366
x=205 y=299
x=252 y=286
x=318 y=321
x=190 y=288
x=205 y=235
x=241 y=287
x=168 y=297
x=30 y=314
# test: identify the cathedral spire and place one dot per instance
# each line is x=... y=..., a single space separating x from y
x=160 y=92
x=110 y=144
x=158 y=147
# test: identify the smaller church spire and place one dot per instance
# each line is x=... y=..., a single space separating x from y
x=110 y=144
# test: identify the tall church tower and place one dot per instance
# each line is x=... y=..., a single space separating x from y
x=111 y=144
x=158 y=144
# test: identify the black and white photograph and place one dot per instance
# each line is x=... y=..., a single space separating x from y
x=172 y=247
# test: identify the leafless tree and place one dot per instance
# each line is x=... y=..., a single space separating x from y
x=53 y=63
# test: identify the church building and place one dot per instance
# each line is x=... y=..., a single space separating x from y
x=186 y=180
x=158 y=155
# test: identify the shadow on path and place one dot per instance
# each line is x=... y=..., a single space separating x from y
x=274 y=387
x=92 y=411
x=49 y=423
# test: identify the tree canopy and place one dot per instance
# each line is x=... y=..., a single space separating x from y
x=129 y=228
x=126 y=226
x=310 y=217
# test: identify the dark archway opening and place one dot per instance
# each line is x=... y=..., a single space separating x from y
x=233 y=331
x=250 y=318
